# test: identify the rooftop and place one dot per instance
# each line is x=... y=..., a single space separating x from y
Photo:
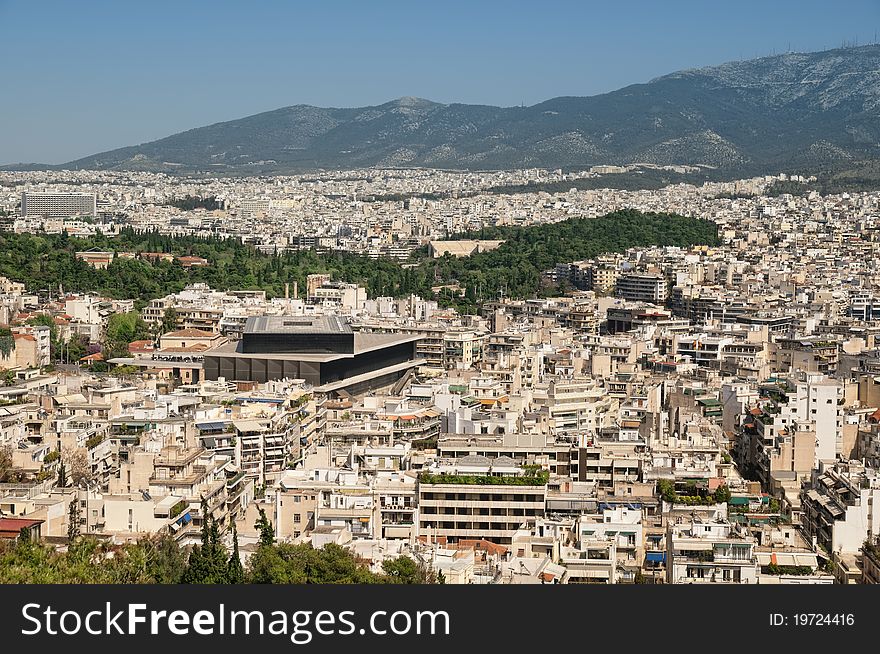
x=297 y=325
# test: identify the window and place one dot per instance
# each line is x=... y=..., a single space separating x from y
x=296 y=499
x=297 y=518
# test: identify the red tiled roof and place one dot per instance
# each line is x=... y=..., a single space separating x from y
x=189 y=332
x=10 y=527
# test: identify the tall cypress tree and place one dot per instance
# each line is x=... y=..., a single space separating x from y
x=62 y=476
x=73 y=518
x=234 y=569
x=264 y=526
x=207 y=562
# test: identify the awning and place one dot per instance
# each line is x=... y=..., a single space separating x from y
x=655 y=557
x=210 y=426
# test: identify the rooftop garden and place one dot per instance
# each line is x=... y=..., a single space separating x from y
x=178 y=508
x=694 y=496
x=798 y=570
x=94 y=441
x=531 y=478
x=768 y=505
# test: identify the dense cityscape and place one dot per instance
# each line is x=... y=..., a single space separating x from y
x=699 y=404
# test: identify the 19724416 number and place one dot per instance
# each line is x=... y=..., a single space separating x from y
x=823 y=619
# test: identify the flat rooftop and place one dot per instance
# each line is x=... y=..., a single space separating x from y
x=297 y=325
x=363 y=342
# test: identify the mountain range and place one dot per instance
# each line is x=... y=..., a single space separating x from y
x=806 y=110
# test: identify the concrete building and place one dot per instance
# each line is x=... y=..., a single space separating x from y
x=840 y=507
x=710 y=550
x=58 y=205
x=642 y=288
x=452 y=509
x=324 y=352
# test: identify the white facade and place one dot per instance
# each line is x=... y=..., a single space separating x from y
x=58 y=205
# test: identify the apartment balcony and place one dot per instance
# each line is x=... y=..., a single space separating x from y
x=497 y=504
x=397 y=508
x=345 y=514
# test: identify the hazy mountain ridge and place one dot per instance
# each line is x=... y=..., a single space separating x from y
x=796 y=108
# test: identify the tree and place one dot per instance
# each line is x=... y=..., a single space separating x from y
x=75 y=348
x=169 y=320
x=722 y=494
x=666 y=490
x=80 y=467
x=7 y=342
x=264 y=527
x=303 y=564
x=122 y=329
x=7 y=471
x=74 y=515
x=207 y=562
x=61 y=482
x=234 y=569
x=404 y=570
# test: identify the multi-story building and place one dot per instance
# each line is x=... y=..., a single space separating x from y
x=840 y=507
x=453 y=506
x=642 y=288
x=710 y=551
x=462 y=349
x=58 y=205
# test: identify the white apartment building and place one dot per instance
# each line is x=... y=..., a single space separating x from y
x=58 y=205
x=710 y=550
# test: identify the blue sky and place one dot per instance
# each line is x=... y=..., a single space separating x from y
x=81 y=77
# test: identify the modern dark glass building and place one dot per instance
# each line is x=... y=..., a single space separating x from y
x=323 y=351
